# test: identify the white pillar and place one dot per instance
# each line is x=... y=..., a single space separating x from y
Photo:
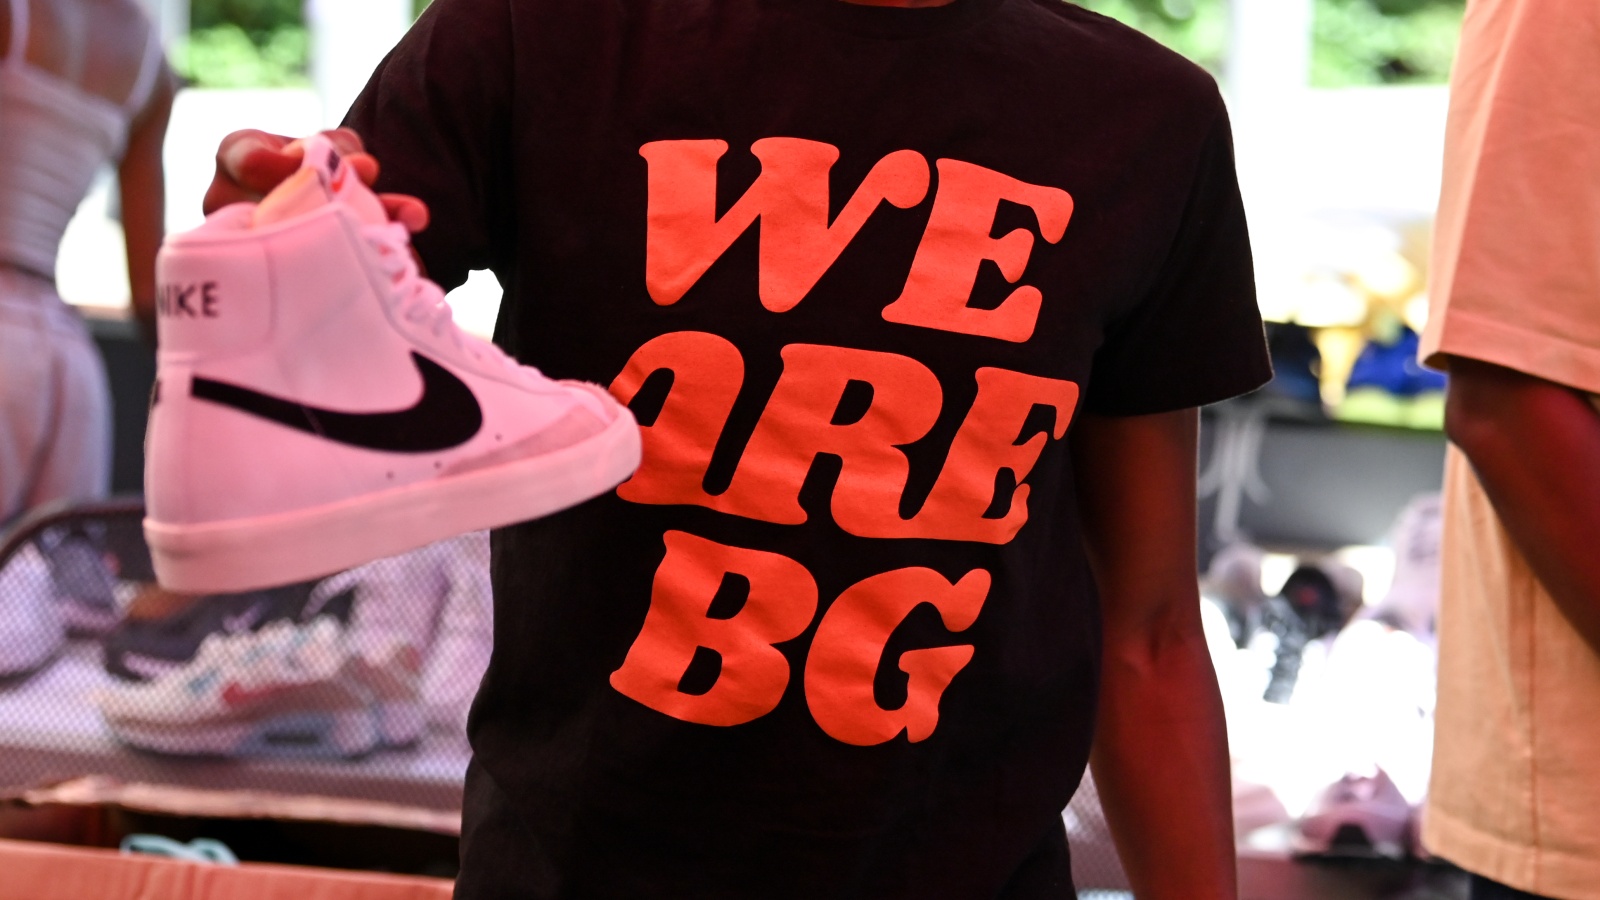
x=1267 y=77
x=1269 y=52
x=171 y=18
x=348 y=39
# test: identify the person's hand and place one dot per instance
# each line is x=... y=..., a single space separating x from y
x=251 y=163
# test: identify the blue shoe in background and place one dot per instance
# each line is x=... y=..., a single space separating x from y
x=1387 y=386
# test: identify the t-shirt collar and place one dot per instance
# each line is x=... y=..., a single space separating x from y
x=894 y=21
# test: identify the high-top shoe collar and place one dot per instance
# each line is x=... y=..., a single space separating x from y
x=324 y=177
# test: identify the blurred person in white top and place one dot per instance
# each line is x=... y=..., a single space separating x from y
x=82 y=85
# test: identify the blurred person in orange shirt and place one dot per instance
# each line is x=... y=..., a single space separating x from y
x=1515 y=796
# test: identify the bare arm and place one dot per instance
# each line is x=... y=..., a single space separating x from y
x=1535 y=446
x=143 y=191
x=1160 y=756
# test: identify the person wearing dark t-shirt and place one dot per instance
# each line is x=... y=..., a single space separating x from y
x=915 y=307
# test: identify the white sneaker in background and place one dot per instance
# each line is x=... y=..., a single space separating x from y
x=465 y=637
x=31 y=625
x=281 y=691
x=420 y=633
x=395 y=616
x=395 y=599
x=316 y=407
x=389 y=675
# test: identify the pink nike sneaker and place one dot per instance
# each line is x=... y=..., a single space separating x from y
x=316 y=407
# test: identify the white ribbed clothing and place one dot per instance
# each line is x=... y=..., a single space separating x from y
x=55 y=408
x=56 y=136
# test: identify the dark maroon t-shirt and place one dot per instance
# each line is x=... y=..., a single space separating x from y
x=855 y=270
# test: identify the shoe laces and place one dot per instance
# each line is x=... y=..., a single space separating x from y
x=421 y=302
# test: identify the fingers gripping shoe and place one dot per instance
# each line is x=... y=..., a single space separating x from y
x=316 y=408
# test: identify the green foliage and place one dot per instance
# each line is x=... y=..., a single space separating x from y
x=257 y=18
x=249 y=43
x=237 y=43
x=1354 y=42
x=1196 y=28
x=225 y=56
x=244 y=43
x=1384 y=42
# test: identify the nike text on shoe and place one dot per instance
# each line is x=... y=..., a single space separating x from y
x=316 y=407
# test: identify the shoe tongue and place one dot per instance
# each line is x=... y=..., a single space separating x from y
x=297 y=195
x=323 y=178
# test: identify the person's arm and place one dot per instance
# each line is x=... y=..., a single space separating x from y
x=1160 y=755
x=1535 y=446
x=143 y=194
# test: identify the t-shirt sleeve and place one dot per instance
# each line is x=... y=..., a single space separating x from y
x=1196 y=337
x=1515 y=273
x=437 y=115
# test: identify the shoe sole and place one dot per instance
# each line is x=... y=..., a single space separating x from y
x=265 y=551
x=318 y=735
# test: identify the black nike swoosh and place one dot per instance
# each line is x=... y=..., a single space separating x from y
x=446 y=415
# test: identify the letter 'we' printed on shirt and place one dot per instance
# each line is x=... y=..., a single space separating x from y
x=790 y=198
